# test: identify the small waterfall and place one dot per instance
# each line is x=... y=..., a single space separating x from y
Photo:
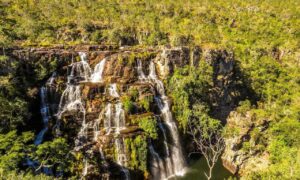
x=45 y=115
x=96 y=130
x=121 y=157
x=98 y=71
x=85 y=168
x=119 y=119
x=141 y=74
x=81 y=69
x=152 y=71
x=51 y=80
x=70 y=100
x=108 y=118
x=112 y=89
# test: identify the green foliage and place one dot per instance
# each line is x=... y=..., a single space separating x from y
x=149 y=125
x=134 y=93
x=13 y=151
x=138 y=149
x=204 y=122
x=145 y=102
x=12 y=113
x=189 y=86
x=13 y=175
x=54 y=154
x=128 y=104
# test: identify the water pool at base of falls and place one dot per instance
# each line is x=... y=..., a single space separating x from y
x=198 y=166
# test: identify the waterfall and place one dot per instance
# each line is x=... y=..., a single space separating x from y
x=85 y=168
x=107 y=118
x=176 y=155
x=45 y=115
x=70 y=100
x=175 y=161
x=81 y=69
x=141 y=74
x=119 y=119
x=112 y=89
x=162 y=128
x=121 y=157
x=98 y=71
x=51 y=80
x=158 y=169
x=96 y=130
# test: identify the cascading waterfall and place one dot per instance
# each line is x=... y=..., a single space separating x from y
x=45 y=112
x=119 y=120
x=141 y=74
x=98 y=71
x=162 y=128
x=158 y=169
x=114 y=118
x=85 y=168
x=175 y=162
x=82 y=68
x=70 y=100
x=51 y=80
x=121 y=157
x=112 y=89
x=108 y=118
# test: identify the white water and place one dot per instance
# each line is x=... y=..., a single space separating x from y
x=162 y=128
x=114 y=118
x=85 y=168
x=121 y=158
x=119 y=119
x=81 y=69
x=141 y=74
x=51 y=80
x=98 y=71
x=112 y=89
x=158 y=169
x=45 y=115
x=175 y=162
x=108 y=118
x=70 y=100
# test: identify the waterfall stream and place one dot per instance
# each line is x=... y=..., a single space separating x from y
x=112 y=89
x=45 y=112
x=98 y=71
x=175 y=161
x=121 y=157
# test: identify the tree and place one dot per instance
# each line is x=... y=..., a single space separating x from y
x=55 y=155
x=207 y=136
x=14 y=149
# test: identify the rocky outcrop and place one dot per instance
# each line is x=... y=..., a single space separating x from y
x=244 y=153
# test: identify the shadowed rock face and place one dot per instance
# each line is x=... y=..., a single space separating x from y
x=120 y=68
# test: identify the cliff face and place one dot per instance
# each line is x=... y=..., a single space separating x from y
x=111 y=105
x=243 y=154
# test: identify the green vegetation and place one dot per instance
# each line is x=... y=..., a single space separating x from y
x=263 y=35
x=149 y=125
x=138 y=149
x=128 y=104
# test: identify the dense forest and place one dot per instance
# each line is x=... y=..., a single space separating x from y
x=262 y=36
